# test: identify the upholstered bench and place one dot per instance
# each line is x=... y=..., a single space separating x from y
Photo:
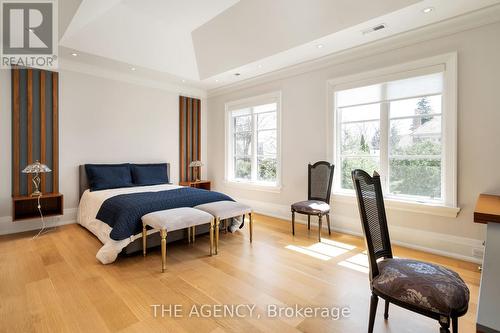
x=175 y=219
x=222 y=210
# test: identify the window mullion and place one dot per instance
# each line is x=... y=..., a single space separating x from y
x=232 y=145
x=384 y=140
x=254 y=146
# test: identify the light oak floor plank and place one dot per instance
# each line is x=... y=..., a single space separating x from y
x=55 y=283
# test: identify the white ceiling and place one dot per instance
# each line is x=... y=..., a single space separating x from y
x=205 y=42
x=263 y=28
x=149 y=33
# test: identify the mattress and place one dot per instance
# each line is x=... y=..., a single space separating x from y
x=91 y=202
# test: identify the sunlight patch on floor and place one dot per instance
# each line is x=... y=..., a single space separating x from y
x=358 y=262
x=310 y=253
x=324 y=250
x=338 y=244
x=328 y=250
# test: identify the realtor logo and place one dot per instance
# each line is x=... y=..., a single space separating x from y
x=29 y=34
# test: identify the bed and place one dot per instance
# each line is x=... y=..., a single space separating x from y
x=93 y=204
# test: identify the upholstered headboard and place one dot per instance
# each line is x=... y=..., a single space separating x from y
x=84 y=182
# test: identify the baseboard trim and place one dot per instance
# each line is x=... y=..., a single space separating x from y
x=7 y=226
x=343 y=224
x=449 y=246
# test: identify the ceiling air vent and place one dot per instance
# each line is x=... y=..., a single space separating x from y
x=373 y=29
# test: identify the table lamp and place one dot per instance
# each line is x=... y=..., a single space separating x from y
x=36 y=168
x=197 y=165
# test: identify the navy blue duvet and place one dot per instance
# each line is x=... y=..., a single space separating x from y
x=123 y=212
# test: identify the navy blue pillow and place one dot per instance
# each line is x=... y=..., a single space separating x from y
x=107 y=176
x=149 y=174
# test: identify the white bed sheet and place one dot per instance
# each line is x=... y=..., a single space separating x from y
x=91 y=202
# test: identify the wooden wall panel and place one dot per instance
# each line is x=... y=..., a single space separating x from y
x=55 y=132
x=43 y=129
x=182 y=127
x=29 y=88
x=189 y=143
x=16 y=133
x=32 y=127
x=198 y=134
x=190 y=134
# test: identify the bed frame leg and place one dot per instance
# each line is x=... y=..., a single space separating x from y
x=144 y=239
x=189 y=235
x=163 y=233
x=194 y=233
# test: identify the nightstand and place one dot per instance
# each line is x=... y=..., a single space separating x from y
x=202 y=184
x=25 y=207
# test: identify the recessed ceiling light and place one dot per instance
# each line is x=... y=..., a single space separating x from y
x=216 y=80
x=74 y=54
x=183 y=81
x=133 y=69
x=319 y=46
x=428 y=10
x=259 y=66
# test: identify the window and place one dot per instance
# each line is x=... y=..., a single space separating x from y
x=403 y=126
x=252 y=133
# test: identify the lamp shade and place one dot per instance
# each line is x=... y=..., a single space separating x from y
x=195 y=164
x=36 y=167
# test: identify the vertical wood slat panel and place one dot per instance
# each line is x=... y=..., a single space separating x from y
x=193 y=137
x=198 y=130
x=181 y=138
x=194 y=151
x=43 y=128
x=55 y=134
x=188 y=138
x=30 y=126
x=16 y=124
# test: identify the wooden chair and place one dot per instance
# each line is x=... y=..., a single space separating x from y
x=320 y=177
x=431 y=290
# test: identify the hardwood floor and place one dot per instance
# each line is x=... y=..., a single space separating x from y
x=55 y=284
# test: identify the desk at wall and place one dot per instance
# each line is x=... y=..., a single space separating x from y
x=488 y=212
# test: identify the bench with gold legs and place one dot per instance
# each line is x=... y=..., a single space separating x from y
x=223 y=210
x=175 y=219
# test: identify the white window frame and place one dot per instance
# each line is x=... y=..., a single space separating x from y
x=445 y=62
x=273 y=97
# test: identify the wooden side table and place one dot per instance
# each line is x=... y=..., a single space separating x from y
x=26 y=207
x=201 y=184
x=488 y=212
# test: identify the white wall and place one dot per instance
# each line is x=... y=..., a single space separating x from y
x=101 y=121
x=104 y=121
x=304 y=138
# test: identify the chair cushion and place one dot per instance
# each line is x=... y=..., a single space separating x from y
x=423 y=285
x=225 y=209
x=177 y=218
x=311 y=207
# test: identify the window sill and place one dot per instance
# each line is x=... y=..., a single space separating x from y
x=253 y=186
x=405 y=206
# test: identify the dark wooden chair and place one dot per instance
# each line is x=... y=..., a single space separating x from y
x=320 y=177
x=431 y=290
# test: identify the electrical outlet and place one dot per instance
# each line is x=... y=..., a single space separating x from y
x=478 y=253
